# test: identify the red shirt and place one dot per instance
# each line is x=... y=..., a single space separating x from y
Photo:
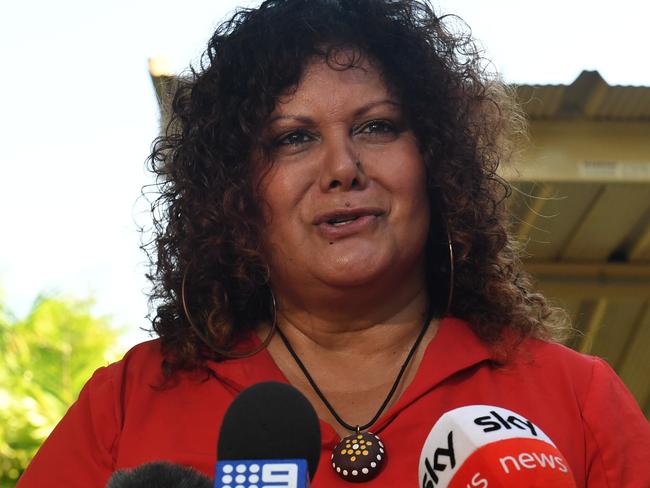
x=120 y=421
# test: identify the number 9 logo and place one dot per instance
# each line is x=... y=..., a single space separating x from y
x=286 y=474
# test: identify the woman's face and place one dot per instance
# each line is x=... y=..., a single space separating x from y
x=344 y=199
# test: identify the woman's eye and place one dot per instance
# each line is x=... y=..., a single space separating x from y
x=293 y=139
x=378 y=127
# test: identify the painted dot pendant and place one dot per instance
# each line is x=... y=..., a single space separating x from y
x=359 y=457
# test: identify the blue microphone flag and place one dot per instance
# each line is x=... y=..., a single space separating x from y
x=262 y=473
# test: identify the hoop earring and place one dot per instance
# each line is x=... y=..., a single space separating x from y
x=451 y=272
x=212 y=347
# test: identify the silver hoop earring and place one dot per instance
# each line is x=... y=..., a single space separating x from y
x=451 y=273
x=223 y=352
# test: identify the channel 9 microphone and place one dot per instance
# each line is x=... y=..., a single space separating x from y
x=270 y=436
x=483 y=446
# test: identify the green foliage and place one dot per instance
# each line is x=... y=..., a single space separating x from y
x=45 y=359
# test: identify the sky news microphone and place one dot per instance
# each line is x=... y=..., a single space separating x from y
x=483 y=446
x=159 y=474
x=270 y=436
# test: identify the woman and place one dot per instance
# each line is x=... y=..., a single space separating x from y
x=330 y=216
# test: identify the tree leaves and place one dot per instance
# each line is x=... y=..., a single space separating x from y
x=45 y=359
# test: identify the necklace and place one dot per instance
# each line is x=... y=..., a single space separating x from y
x=361 y=455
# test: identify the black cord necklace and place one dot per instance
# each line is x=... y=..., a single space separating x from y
x=361 y=455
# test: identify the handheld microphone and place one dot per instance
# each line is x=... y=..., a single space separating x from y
x=159 y=474
x=270 y=436
x=481 y=446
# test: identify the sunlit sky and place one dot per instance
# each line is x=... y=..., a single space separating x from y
x=79 y=112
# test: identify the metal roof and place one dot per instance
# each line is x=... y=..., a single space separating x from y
x=581 y=209
x=588 y=97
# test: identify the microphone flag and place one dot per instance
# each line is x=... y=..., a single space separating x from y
x=269 y=438
x=267 y=473
x=484 y=446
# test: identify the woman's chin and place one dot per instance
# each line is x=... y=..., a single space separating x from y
x=356 y=271
x=349 y=280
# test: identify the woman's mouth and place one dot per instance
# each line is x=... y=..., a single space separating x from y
x=342 y=220
x=343 y=223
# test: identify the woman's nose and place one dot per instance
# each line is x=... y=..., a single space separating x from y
x=341 y=168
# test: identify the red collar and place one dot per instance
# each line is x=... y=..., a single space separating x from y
x=454 y=348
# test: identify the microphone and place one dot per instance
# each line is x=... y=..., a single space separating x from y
x=270 y=436
x=481 y=446
x=159 y=474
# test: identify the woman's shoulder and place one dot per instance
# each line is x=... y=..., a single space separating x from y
x=140 y=357
x=554 y=359
x=145 y=359
x=140 y=365
x=555 y=355
x=531 y=356
x=550 y=361
x=616 y=433
x=599 y=391
x=538 y=363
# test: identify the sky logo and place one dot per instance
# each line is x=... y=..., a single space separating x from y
x=270 y=473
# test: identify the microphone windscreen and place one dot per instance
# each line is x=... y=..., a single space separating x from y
x=485 y=445
x=159 y=474
x=271 y=420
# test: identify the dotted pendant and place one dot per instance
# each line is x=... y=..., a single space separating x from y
x=359 y=457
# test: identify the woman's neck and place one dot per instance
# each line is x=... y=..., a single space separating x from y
x=352 y=328
x=354 y=361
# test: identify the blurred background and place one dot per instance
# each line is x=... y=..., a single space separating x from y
x=80 y=109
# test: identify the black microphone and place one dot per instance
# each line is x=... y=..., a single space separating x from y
x=159 y=474
x=270 y=434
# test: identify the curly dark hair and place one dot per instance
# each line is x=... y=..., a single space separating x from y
x=210 y=280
